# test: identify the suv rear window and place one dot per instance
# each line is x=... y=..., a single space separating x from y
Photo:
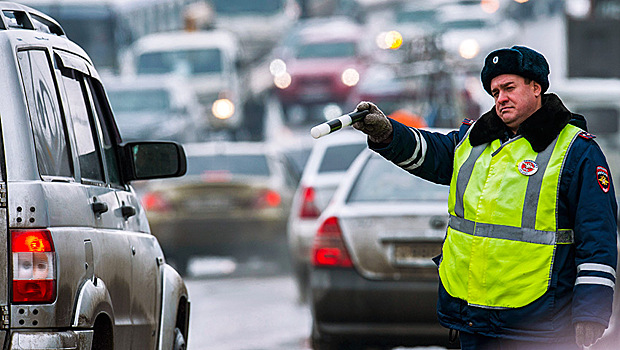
x=47 y=123
x=338 y=158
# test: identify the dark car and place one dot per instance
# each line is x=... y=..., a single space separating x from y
x=234 y=201
x=373 y=282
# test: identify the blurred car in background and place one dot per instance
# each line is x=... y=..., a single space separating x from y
x=470 y=32
x=323 y=65
x=207 y=60
x=234 y=201
x=406 y=32
x=152 y=108
x=383 y=86
x=258 y=24
x=373 y=281
x=328 y=161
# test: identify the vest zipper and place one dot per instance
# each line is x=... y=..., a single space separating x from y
x=505 y=143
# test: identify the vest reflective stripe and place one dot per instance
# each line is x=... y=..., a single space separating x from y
x=534 y=187
x=502 y=234
x=512 y=233
x=463 y=177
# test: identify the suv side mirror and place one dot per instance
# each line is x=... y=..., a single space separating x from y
x=144 y=160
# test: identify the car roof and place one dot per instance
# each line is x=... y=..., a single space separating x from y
x=172 y=41
x=335 y=30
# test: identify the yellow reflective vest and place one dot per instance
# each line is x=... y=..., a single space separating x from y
x=503 y=231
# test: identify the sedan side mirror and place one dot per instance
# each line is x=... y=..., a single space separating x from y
x=144 y=160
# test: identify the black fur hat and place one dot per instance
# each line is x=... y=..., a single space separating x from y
x=518 y=60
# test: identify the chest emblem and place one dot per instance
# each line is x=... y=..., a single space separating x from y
x=528 y=167
x=602 y=176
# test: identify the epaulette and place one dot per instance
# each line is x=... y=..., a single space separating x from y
x=586 y=135
x=467 y=121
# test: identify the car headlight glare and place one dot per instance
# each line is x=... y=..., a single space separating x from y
x=282 y=81
x=277 y=67
x=350 y=77
x=223 y=108
x=469 y=49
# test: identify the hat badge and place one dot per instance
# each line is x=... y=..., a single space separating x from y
x=495 y=59
x=528 y=167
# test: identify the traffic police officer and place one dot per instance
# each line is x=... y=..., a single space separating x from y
x=529 y=258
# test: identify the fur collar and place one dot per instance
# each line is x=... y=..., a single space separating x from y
x=540 y=129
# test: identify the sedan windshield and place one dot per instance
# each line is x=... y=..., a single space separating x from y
x=244 y=7
x=186 y=62
x=424 y=16
x=338 y=158
x=465 y=24
x=242 y=164
x=139 y=100
x=381 y=181
x=327 y=50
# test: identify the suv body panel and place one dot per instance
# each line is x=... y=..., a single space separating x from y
x=108 y=265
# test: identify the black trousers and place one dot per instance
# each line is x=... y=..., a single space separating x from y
x=480 y=342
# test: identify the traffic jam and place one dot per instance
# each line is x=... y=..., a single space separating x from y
x=201 y=174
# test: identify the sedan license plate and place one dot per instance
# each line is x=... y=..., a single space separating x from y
x=415 y=254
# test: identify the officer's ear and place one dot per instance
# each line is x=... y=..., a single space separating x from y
x=536 y=88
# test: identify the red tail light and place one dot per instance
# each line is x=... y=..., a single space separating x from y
x=34 y=266
x=329 y=248
x=155 y=201
x=308 y=208
x=269 y=198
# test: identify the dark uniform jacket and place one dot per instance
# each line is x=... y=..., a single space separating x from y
x=587 y=204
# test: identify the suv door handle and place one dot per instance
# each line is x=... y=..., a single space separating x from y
x=99 y=207
x=128 y=211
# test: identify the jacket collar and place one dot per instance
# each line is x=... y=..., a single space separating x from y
x=540 y=129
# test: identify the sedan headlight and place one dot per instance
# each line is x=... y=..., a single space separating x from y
x=282 y=81
x=350 y=77
x=223 y=108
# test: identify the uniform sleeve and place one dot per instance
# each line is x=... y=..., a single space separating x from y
x=593 y=206
x=426 y=154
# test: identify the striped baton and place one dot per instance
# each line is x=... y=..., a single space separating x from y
x=337 y=123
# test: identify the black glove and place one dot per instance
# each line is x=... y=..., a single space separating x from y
x=376 y=125
x=587 y=333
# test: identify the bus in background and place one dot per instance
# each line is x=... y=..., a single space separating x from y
x=95 y=25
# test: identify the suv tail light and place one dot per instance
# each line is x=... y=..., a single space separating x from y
x=34 y=266
x=328 y=248
x=308 y=208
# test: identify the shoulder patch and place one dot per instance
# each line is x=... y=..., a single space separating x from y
x=586 y=135
x=467 y=121
x=602 y=176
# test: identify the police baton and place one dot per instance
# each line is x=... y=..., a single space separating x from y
x=337 y=123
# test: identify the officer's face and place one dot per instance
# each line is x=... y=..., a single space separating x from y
x=515 y=100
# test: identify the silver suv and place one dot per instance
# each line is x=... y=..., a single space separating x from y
x=79 y=268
